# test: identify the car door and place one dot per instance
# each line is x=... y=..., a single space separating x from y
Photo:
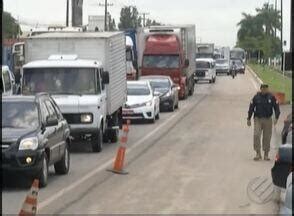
x=103 y=98
x=65 y=131
x=56 y=138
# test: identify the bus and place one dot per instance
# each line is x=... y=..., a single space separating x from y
x=238 y=53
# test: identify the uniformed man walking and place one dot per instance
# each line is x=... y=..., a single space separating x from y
x=262 y=105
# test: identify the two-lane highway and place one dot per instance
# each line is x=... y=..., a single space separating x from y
x=195 y=160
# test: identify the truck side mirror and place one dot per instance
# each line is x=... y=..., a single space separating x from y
x=187 y=62
x=105 y=77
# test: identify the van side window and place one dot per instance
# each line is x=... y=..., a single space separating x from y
x=98 y=80
x=102 y=84
x=7 y=81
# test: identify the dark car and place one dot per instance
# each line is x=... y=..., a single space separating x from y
x=283 y=163
x=286 y=128
x=34 y=136
x=166 y=89
x=239 y=65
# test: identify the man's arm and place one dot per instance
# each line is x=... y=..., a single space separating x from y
x=251 y=108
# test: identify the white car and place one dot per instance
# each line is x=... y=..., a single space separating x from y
x=142 y=102
x=205 y=70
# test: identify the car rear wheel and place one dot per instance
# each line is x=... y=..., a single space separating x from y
x=62 y=166
x=97 y=141
x=43 y=175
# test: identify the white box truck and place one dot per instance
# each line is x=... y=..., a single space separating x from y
x=85 y=72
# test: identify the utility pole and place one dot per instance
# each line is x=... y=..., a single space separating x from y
x=105 y=5
x=291 y=29
x=276 y=12
x=282 y=34
x=144 y=18
x=67 y=12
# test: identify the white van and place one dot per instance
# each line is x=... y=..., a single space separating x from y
x=205 y=70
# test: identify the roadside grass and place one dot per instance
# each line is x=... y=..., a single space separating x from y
x=274 y=79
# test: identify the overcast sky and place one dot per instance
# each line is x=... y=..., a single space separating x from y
x=215 y=20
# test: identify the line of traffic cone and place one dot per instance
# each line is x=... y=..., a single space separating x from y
x=120 y=156
x=29 y=207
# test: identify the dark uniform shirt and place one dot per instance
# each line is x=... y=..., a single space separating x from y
x=262 y=105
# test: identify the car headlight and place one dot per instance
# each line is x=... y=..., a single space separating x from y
x=86 y=118
x=28 y=144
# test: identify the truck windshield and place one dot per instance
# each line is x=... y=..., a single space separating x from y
x=138 y=90
x=200 y=64
x=161 y=61
x=59 y=80
x=19 y=114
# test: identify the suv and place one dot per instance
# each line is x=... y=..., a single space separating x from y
x=34 y=136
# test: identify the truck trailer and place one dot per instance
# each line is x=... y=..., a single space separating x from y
x=205 y=50
x=85 y=72
x=169 y=50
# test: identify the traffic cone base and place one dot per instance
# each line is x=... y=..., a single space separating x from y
x=29 y=206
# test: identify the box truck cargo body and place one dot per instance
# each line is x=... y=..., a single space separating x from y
x=97 y=59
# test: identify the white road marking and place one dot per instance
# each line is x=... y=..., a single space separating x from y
x=254 y=83
x=102 y=167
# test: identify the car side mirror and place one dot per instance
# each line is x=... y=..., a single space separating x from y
x=187 y=62
x=105 y=77
x=51 y=122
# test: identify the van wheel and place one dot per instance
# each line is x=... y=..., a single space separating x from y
x=97 y=141
x=62 y=166
x=43 y=176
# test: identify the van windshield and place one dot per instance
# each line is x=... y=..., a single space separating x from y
x=59 y=80
x=161 y=61
x=202 y=64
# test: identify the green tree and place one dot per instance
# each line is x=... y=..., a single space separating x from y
x=111 y=23
x=10 y=28
x=129 y=18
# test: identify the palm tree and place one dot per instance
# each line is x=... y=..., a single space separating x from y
x=270 y=18
x=249 y=26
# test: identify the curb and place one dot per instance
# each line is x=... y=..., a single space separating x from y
x=254 y=75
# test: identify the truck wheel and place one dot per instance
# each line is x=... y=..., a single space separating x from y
x=62 y=166
x=43 y=176
x=191 y=92
x=97 y=141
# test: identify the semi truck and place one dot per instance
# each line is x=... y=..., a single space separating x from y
x=85 y=72
x=205 y=50
x=169 y=50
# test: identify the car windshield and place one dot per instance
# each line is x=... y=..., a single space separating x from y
x=221 y=61
x=19 y=115
x=202 y=64
x=136 y=89
x=161 y=61
x=59 y=80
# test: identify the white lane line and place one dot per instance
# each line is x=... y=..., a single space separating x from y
x=254 y=83
x=102 y=167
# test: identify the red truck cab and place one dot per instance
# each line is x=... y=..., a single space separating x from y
x=163 y=55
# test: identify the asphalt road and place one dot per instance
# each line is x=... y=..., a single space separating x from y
x=195 y=160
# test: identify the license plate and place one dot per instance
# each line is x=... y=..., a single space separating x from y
x=126 y=112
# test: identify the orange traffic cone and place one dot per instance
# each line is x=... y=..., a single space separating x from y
x=29 y=207
x=120 y=156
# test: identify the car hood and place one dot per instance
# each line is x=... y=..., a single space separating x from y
x=75 y=103
x=13 y=134
x=132 y=100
